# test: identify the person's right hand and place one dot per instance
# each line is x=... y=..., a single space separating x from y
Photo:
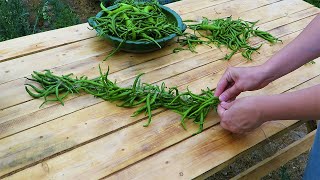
x=239 y=79
x=242 y=115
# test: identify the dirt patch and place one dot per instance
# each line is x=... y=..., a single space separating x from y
x=84 y=8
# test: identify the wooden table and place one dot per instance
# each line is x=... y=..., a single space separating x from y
x=89 y=138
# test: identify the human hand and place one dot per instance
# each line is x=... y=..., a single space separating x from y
x=239 y=79
x=240 y=116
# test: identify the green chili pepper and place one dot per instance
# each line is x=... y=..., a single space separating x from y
x=234 y=34
x=128 y=22
x=188 y=104
x=104 y=8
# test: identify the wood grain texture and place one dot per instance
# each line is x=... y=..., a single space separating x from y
x=42 y=41
x=197 y=154
x=94 y=139
x=77 y=120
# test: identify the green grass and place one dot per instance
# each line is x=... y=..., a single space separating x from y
x=13 y=20
x=314 y=2
x=54 y=14
x=18 y=19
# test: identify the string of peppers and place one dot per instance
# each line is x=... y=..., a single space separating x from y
x=234 y=34
x=146 y=97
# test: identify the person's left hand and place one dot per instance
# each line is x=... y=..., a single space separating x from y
x=240 y=116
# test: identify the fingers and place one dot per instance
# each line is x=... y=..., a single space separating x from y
x=230 y=94
x=225 y=122
x=223 y=84
x=226 y=105
x=220 y=111
x=222 y=108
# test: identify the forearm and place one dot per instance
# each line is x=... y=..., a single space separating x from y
x=300 y=105
x=303 y=49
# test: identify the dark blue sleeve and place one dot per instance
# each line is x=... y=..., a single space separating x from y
x=312 y=171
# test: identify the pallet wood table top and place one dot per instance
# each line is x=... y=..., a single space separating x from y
x=89 y=138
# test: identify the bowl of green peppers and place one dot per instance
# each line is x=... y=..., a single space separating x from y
x=137 y=27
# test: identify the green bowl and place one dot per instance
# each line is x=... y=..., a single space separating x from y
x=140 y=46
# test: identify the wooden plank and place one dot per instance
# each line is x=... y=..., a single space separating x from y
x=188 y=6
x=16 y=68
x=306 y=84
x=280 y=158
x=78 y=129
x=43 y=41
x=162 y=133
x=35 y=43
x=191 y=157
x=31 y=106
x=234 y=7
